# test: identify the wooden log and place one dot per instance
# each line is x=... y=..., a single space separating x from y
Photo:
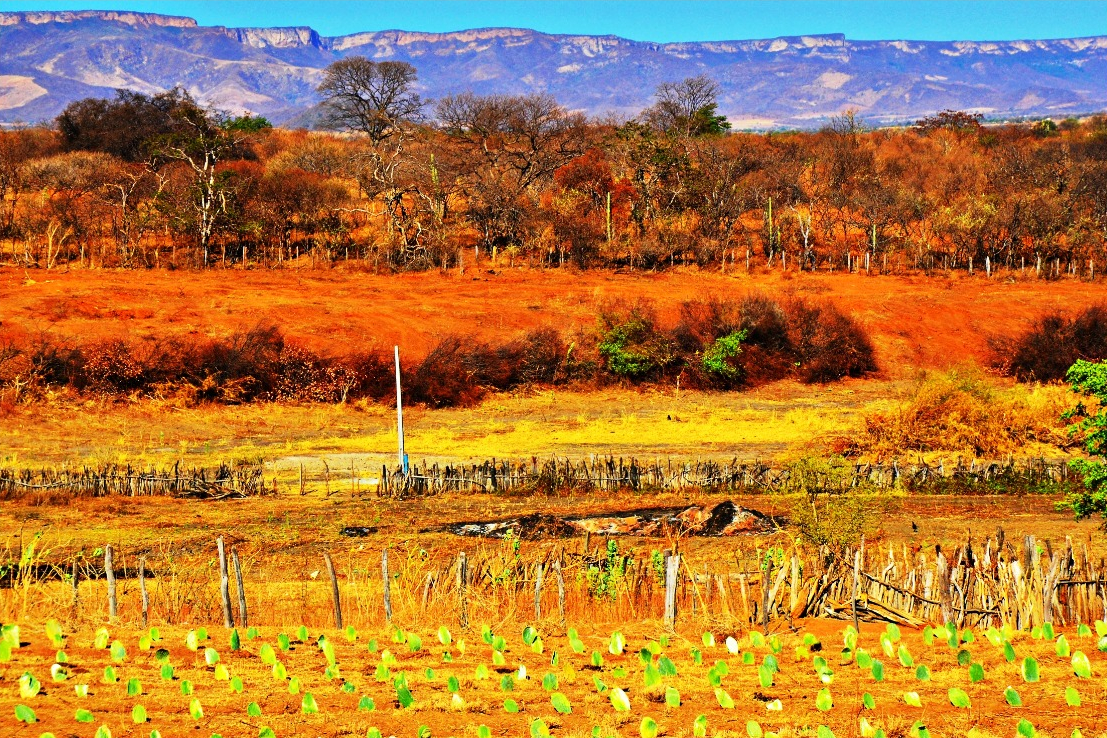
x=243 y=614
x=109 y=573
x=335 y=595
x=224 y=584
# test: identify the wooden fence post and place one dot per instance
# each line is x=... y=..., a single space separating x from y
x=672 y=567
x=387 y=582
x=560 y=590
x=334 y=590
x=76 y=588
x=426 y=591
x=242 y=612
x=224 y=584
x=856 y=586
x=538 y=592
x=142 y=589
x=462 y=576
x=109 y=573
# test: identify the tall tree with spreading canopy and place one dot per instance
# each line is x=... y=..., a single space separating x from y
x=688 y=108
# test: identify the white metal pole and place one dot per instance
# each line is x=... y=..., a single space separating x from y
x=399 y=412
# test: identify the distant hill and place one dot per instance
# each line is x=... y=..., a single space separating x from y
x=48 y=59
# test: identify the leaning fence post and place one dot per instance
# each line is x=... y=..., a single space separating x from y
x=224 y=584
x=242 y=616
x=142 y=589
x=334 y=590
x=857 y=583
x=387 y=581
x=462 y=576
x=672 y=566
x=109 y=573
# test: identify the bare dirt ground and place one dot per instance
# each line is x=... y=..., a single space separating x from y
x=916 y=321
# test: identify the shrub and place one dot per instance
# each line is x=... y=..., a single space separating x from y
x=828 y=345
x=440 y=380
x=1052 y=344
x=719 y=358
x=631 y=345
x=962 y=411
x=832 y=510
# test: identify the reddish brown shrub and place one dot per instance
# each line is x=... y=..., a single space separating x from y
x=1055 y=342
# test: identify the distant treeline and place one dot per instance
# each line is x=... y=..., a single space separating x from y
x=718 y=344
x=141 y=181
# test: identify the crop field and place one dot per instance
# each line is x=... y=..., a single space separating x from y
x=817 y=679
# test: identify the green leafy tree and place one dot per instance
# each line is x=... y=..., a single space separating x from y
x=1089 y=379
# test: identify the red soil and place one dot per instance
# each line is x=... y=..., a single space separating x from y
x=915 y=322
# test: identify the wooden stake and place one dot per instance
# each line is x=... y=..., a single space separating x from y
x=462 y=576
x=334 y=590
x=538 y=592
x=76 y=588
x=560 y=590
x=224 y=584
x=672 y=567
x=856 y=586
x=142 y=589
x=109 y=572
x=242 y=612
x=387 y=580
x=426 y=591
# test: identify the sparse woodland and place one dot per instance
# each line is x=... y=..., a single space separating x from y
x=492 y=182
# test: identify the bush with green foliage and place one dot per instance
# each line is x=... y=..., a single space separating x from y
x=718 y=358
x=1090 y=380
x=631 y=344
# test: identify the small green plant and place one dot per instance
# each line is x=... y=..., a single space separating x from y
x=604 y=578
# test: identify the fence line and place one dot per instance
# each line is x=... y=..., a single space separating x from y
x=609 y=474
x=112 y=479
x=1025 y=583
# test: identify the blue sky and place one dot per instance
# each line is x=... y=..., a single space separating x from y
x=654 y=20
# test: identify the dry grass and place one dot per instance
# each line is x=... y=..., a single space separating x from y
x=768 y=422
x=963 y=411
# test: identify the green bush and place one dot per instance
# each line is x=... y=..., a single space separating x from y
x=631 y=344
x=717 y=358
x=1090 y=380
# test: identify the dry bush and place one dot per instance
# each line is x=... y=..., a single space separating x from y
x=814 y=342
x=1055 y=342
x=964 y=411
x=828 y=344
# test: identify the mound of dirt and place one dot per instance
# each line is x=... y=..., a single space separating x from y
x=724 y=519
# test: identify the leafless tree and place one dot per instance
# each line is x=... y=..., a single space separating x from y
x=375 y=98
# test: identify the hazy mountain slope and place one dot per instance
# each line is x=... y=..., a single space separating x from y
x=49 y=59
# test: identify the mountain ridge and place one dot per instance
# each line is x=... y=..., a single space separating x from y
x=49 y=58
